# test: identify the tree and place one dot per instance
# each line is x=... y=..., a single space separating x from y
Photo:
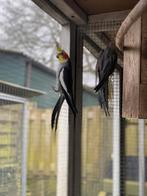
x=26 y=28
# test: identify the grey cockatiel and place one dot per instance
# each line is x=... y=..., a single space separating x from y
x=106 y=64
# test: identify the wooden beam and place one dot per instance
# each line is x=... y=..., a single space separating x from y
x=91 y=46
x=91 y=49
x=71 y=10
x=120 y=15
x=104 y=38
x=52 y=10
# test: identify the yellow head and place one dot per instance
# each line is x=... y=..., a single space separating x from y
x=61 y=54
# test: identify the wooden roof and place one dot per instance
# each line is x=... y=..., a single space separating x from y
x=79 y=11
x=92 y=7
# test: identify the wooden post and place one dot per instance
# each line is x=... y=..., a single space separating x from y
x=135 y=70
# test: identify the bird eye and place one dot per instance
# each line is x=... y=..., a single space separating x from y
x=57 y=56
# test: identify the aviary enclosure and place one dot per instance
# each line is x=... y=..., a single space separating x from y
x=106 y=155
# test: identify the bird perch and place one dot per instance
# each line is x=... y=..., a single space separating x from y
x=135 y=13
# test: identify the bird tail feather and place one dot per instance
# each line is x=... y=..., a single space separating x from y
x=56 y=111
x=103 y=98
x=101 y=83
x=70 y=102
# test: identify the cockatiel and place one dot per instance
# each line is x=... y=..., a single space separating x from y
x=107 y=62
x=64 y=86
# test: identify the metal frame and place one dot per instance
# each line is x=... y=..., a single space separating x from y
x=24 y=147
x=71 y=10
x=52 y=10
x=12 y=98
x=23 y=101
x=141 y=134
x=74 y=187
x=92 y=28
x=73 y=43
x=75 y=124
x=116 y=136
x=63 y=131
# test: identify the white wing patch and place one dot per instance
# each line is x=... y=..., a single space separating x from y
x=62 y=80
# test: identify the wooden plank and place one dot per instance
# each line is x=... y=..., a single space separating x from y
x=92 y=43
x=131 y=70
x=92 y=50
x=144 y=50
x=143 y=101
x=91 y=46
x=71 y=10
x=104 y=6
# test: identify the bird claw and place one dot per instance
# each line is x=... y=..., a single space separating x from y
x=95 y=89
x=55 y=89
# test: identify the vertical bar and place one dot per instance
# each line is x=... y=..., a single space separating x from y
x=24 y=147
x=116 y=136
x=69 y=133
x=63 y=127
x=141 y=157
x=122 y=140
x=75 y=123
x=62 y=152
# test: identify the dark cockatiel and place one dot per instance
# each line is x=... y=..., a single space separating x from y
x=105 y=67
x=64 y=86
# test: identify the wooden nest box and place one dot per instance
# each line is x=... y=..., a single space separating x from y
x=135 y=70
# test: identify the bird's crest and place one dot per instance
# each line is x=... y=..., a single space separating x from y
x=59 y=49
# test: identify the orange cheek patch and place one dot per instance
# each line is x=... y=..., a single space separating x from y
x=65 y=56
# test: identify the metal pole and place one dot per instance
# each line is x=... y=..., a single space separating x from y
x=62 y=138
x=24 y=148
x=141 y=157
x=116 y=136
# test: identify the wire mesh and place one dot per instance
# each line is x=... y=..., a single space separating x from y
x=24 y=77
x=42 y=141
x=99 y=136
x=10 y=148
x=100 y=133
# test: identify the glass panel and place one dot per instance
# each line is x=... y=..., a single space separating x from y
x=28 y=37
x=10 y=149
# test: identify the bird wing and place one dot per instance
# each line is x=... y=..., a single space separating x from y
x=65 y=78
x=102 y=81
x=108 y=63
